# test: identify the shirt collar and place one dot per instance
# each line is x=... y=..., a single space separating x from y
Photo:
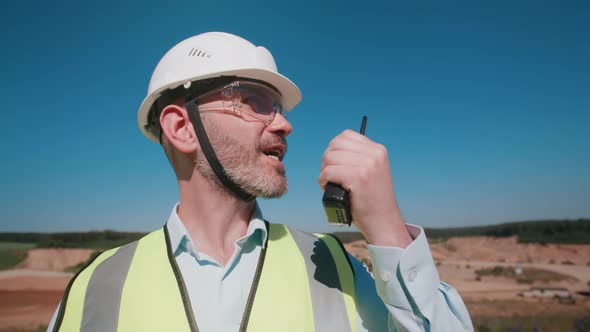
x=181 y=241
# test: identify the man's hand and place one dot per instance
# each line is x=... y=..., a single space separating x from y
x=361 y=167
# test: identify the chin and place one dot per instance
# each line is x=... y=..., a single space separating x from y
x=273 y=194
x=269 y=186
x=260 y=179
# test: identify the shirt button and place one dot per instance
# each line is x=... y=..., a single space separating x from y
x=385 y=276
x=412 y=275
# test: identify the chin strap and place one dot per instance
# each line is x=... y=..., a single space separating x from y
x=195 y=116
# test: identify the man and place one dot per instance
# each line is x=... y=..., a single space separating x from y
x=216 y=104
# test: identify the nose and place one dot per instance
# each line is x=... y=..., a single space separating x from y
x=280 y=126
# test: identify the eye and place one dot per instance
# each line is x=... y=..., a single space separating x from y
x=258 y=104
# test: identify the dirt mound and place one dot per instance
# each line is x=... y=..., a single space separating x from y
x=27 y=310
x=480 y=248
x=490 y=249
x=508 y=249
x=28 y=298
x=33 y=280
x=54 y=259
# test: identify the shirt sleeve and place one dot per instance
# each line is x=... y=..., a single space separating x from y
x=405 y=292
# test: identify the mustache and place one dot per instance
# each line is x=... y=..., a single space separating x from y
x=274 y=140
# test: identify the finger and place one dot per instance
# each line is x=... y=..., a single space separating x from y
x=338 y=174
x=353 y=135
x=342 y=157
x=371 y=154
x=344 y=142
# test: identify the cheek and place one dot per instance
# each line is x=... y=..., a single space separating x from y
x=247 y=134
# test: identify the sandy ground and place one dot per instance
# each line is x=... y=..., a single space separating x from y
x=27 y=310
x=30 y=294
x=458 y=258
x=28 y=298
x=509 y=250
x=54 y=259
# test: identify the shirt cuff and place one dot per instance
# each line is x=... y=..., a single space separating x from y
x=405 y=277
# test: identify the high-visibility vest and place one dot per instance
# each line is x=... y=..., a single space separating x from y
x=303 y=282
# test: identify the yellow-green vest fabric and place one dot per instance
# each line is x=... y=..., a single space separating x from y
x=303 y=282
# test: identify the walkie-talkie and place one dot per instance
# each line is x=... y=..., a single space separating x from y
x=336 y=201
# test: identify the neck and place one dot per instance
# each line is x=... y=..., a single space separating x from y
x=214 y=218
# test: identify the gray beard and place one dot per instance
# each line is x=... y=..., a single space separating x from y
x=242 y=166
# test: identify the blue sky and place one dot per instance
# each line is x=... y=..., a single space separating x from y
x=484 y=108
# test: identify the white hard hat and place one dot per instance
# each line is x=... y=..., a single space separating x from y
x=214 y=54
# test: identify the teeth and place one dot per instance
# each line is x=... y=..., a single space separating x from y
x=273 y=157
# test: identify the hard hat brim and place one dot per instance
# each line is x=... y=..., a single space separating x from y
x=289 y=91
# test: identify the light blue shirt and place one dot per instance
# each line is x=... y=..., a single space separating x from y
x=406 y=294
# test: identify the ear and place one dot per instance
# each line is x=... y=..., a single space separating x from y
x=178 y=128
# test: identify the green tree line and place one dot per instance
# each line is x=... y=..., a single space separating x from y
x=538 y=231
x=95 y=239
x=542 y=231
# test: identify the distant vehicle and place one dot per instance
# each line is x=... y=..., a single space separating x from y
x=563 y=295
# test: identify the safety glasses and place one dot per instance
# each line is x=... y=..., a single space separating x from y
x=251 y=101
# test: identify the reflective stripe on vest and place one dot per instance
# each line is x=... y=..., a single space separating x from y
x=305 y=284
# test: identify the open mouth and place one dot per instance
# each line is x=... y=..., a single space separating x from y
x=276 y=152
